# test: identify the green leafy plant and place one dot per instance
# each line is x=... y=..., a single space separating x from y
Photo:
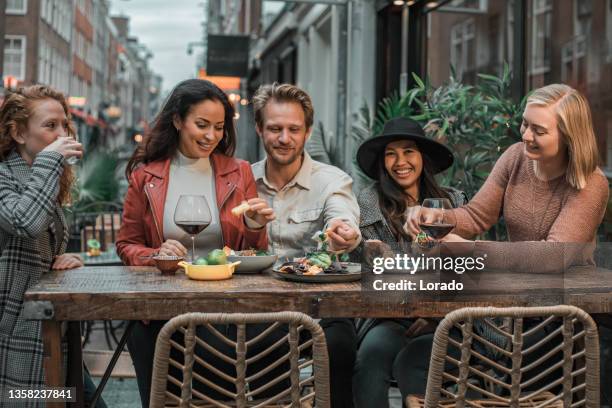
x=97 y=180
x=476 y=122
x=322 y=147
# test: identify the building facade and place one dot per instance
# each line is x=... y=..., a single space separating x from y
x=543 y=41
x=76 y=47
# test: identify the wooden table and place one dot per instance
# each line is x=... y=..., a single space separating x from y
x=141 y=293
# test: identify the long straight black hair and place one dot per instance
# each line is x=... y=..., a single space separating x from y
x=393 y=199
x=163 y=139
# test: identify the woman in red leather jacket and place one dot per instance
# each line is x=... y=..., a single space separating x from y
x=188 y=151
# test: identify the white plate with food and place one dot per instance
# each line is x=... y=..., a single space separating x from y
x=251 y=260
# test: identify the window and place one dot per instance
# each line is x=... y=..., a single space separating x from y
x=43 y=62
x=15 y=56
x=510 y=31
x=583 y=11
x=16 y=6
x=43 y=9
x=541 y=38
x=463 y=50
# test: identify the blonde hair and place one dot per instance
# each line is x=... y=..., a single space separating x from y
x=575 y=125
x=15 y=112
x=282 y=93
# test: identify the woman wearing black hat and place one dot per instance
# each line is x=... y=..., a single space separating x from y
x=403 y=162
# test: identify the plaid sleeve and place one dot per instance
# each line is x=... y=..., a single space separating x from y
x=27 y=211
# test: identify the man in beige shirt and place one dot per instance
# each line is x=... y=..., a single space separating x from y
x=318 y=197
x=307 y=196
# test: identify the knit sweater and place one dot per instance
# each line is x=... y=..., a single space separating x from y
x=551 y=225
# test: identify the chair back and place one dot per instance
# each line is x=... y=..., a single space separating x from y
x=298 y=371
x=99 y=220
x=536 y=357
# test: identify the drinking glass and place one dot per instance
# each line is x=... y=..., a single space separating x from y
x=192 y=215
x=436 y=218
x=71 y=161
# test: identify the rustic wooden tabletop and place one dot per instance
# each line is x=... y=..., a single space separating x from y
x=119 y=292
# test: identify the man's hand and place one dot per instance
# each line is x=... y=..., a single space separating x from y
x=260 y=211
x=67 y=261
x=342 y=236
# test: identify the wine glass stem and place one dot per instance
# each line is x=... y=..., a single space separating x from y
x=192 y=248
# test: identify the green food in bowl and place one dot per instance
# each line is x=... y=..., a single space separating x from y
x=201 y=261
x=216 y=257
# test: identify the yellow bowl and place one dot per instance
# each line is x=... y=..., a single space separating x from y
x=209 y=272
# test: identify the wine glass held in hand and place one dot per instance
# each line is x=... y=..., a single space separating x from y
x=192 y=215
x=436 y=218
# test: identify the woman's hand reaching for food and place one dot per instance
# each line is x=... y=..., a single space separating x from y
x=259 y=211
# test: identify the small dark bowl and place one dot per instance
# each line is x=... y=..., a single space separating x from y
x=167 y=264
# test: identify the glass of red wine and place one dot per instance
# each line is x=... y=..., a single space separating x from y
x=192 y=215
x=436 y=218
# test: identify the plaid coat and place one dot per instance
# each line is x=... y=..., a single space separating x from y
x=32 y=233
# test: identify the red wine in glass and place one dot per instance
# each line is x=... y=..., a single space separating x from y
x=436 y=217
x=192 y=228
x=437 y=231
x=192 y=215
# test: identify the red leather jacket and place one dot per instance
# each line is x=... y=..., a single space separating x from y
x=141 y=232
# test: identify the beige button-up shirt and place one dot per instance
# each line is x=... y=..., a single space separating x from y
x=317 y=194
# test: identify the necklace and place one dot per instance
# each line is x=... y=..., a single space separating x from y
x=533 y=199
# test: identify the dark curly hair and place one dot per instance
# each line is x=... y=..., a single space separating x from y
x=162 y=141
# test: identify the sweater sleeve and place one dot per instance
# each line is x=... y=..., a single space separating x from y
x=570 y=237
x=484 y=209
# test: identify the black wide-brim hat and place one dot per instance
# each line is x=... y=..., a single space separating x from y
x=370 y=152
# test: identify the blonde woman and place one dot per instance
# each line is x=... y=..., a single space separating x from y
x=552 y=196
x=548 y=188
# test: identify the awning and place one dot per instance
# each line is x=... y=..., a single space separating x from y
x=88 y=119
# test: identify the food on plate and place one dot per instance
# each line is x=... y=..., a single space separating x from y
x=313 y=264
x=322 y=259
x=241 y=209
x=245 y=252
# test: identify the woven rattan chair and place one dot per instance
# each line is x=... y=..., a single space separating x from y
x=554 y=362
x=303 y=350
